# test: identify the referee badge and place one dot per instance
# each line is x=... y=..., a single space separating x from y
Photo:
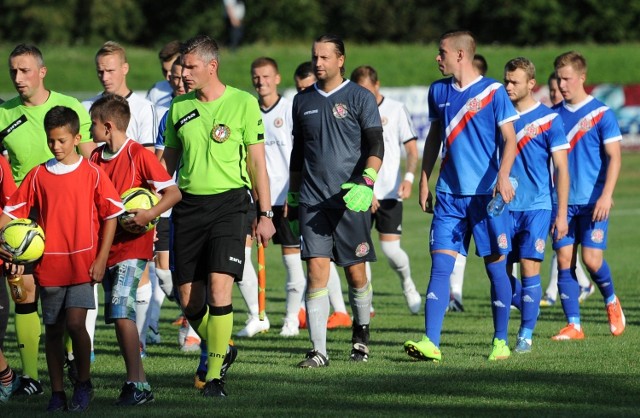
x=340 y=111
x=473 y=105
x=362 y=249
x=220 y=133
x=532 y=130
x=278 y=122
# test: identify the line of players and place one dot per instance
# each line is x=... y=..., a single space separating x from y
x=390 y=189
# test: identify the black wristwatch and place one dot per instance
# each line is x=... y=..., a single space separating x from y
x=266 y=214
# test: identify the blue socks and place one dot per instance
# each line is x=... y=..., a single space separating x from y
x=531 y=295
x=569 y=293
x=437 y=298
x=516 y=292
x=604 y=281
x=500 y=298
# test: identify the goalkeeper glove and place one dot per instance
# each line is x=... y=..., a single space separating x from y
x=293 y=203
x=360 y=191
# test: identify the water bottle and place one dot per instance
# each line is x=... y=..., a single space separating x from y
x=16 y=285
x=496 y=206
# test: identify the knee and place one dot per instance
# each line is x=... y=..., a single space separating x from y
x=592 y=260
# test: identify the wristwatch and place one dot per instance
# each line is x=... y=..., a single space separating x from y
x=266 y=214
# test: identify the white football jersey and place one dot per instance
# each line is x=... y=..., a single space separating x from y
x=278 y=142
x=397 y=130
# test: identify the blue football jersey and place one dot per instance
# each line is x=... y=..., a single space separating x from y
x=588 y=126
x=539 y=132
x=470 y=119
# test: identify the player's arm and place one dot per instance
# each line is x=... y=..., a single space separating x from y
x=99 y=265
x=560 y=227
x=258 y=169
x=605 y=201
x=169 y=196
x=169 y=160
x=503 y=185
x=411 y=148
x=429 y=158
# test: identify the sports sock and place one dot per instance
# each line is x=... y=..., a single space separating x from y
x=360 y=301
x=516 y=291
x=143 y=297
x=367 y=271
x=204 y=355
x=552 y=288
x=6 y=376
x=569 y=294
x=457 y=277
x=317 y=315
x=199 y=322
x=157 y=298
x=531 y=294
x=28 y=332
x=249 y=284
x=437 y=298
x=334 y=286
x=91 y=319
x=603 y=279
x=294 y=285
x=219 y=329
x=399 y=262
x=500 y=298
x=165 y=282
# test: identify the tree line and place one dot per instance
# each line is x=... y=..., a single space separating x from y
x=151 y=23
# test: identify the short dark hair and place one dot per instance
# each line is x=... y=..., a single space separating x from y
x=114 y=108
x=304 y=70
x=169 y=51
x=480 y=63
x=364 y=71
x=203 y=46
x=463 y=39
x=61 y=116
x=27 y=49
x=263 y=62
x=337 y=42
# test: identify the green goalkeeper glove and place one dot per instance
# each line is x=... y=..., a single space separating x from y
x=293 y=202
x=360 y=191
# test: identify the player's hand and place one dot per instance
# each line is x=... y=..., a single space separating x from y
x=360 y=191
x=97 y=269
x=13 y=268
x=141 y=219
x=291 y=210
x=425 y=198
x=375 y=204
x=602 y=208
x=560 y=228
x=5 y=255
x=404 y=191
x=505 y=188
x=265 y=230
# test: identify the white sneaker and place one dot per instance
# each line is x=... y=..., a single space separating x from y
x=254 y=326
x=183 y=332
x=414 y=301
x=289 y=329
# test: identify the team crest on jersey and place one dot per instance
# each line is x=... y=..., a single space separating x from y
x=220 y=133
x=340 y=110
x=597 y=236
x=540 y=243
x=473 y=105
x=585 y=124
x=278 y=122
x=384 y=120
x=532 y=130
x=502 y=241
x=362 y=249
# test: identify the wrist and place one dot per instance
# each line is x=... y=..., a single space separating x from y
x=410 y=177
x=371 y=174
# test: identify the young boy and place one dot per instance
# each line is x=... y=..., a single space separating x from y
x=129 y=165
x=67 y=187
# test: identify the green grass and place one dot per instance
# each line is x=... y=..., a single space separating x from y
x=71 y=69
x=597 y=377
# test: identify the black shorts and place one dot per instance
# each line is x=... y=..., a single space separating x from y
x=283 y=236
x=342 y=235
x=252 y=214
x=209 y=234
x=388 y=217
x=162 y=234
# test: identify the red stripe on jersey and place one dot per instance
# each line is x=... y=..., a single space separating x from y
x=526 y=139
x=578 y=136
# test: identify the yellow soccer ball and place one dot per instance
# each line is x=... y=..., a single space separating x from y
x=24 y=239
x=137 y=198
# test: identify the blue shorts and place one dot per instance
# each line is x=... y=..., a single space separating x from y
x=120 y=287
x=454 y=216
x=582 y=230
x=529 y=235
